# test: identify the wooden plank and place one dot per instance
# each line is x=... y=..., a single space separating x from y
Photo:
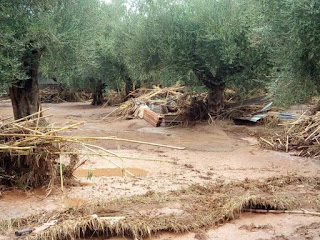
x=151 y=117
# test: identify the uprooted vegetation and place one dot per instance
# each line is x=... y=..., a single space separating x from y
x=54 y=95
x=29 y=157
x=301 y=136
x=178 y=211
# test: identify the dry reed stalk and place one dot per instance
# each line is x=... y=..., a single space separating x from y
x=267 y=141
x=24 y=118
x=38 y=152
x=303 y=136
x=75 y=139
x=88 y=146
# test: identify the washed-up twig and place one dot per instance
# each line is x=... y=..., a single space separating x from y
x=267 y=141
x=302 y=211
x=61 y=170
x=110 y=113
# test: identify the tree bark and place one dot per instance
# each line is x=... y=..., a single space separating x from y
x=215 y=98
x=128 y=87
x=98 y=95
x=215 y=86
x=24 y=94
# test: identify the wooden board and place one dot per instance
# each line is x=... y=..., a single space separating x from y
x=151 y=117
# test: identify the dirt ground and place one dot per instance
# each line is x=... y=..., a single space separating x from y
x=222 y=151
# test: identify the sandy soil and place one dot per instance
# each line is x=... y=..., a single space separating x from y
x=223 y=151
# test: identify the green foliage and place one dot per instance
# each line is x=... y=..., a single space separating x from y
x=25 y=26
x=294 y=36
x=167 y=41
x=84 y=57
x=246 y=44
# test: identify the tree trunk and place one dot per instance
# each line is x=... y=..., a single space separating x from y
x=98 y=95
x=215 y=86
x=128 y=87
x=24 y=94
x=215 y=98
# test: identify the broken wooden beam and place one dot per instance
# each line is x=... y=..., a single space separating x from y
x=151 y=117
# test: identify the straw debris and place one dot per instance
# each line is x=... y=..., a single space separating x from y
x=194 y=208
x=301 y=136
x=57 y=95
x=28 y=161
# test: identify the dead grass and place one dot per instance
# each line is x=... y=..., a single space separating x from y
x=199 y=207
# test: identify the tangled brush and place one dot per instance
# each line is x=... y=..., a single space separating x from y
x=28 y=155
x=301 y=136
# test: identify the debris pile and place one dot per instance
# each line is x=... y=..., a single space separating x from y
x=301 y=135
x=170 y=105
x=29 y=153
x=250 y=110
x=53 y=95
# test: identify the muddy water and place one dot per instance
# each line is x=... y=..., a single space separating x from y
x=108 y=172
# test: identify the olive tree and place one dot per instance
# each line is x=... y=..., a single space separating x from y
x=26 y=32
x=292 y=29
x=208 y=40
x=87 y=60
x=55 y=36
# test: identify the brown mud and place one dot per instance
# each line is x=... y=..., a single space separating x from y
x=222 y=152
x=108 y=172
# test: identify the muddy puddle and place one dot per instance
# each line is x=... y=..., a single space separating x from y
x=108 y=172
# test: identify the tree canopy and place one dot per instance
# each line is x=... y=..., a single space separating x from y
x=205 y=43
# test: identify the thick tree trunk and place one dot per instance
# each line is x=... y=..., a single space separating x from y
x=98 y=95
x=215 y=98
x=215 y=86
x=24 y=94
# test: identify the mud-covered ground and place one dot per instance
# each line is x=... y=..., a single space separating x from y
x=222 y=151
